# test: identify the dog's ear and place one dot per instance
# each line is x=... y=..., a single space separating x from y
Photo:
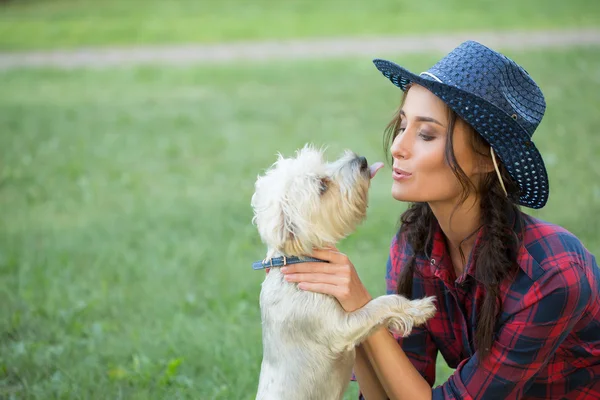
x=287 y=197
x=275 y=220
x=279 y=205
x=291 y=243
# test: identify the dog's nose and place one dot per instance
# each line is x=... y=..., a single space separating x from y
x=363 y=163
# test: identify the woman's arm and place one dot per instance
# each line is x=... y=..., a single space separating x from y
x=395 y=373
x=368 y=381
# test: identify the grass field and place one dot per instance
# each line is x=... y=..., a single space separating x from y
x=125 y=234
x=29 y=24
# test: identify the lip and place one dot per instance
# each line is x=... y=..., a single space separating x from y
x=400 y=174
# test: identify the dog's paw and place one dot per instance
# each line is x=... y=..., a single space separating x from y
x=415 y=312
x=400 y=325
x=422 y=309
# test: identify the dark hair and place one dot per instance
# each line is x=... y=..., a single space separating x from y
x=496 y=255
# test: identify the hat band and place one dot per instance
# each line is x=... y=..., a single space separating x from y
x=498 y=170
x=431 y=75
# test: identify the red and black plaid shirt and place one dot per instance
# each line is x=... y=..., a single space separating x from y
x=547 y=343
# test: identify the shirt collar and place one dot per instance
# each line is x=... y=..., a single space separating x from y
x=441 y=262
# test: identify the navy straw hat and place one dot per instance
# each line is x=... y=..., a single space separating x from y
x=498 y=99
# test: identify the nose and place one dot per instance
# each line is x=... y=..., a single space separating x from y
x=400 y=146
x=363 y=163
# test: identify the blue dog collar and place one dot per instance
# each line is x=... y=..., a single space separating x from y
x=283 y=261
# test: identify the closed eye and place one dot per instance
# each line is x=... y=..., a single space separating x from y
x=426 y=137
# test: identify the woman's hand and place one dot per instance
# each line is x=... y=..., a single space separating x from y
x=337 y=278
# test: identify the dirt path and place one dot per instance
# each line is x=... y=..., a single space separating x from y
x=295 y=49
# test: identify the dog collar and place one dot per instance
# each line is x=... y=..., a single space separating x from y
x=282 y=261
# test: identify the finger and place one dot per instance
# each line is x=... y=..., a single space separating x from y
x=324 y=288
x=332 y=255
x=310 y=268
x=267 y=270
x=316 y=278
x=329 y=248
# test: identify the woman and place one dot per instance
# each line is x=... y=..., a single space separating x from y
x=518 y=298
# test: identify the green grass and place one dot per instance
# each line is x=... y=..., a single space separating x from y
x=125 y=234
x=41 y=24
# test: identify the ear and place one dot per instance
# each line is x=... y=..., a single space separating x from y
x=290 y=241
x=276 y=215
x=301 y=200
x=485 y=164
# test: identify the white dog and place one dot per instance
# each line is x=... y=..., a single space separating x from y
x=308 y=339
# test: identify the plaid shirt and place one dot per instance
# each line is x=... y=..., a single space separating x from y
x=547 y=343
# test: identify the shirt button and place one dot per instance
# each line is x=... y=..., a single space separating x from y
x=433 y=261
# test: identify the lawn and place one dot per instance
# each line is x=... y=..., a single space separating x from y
x=125 y=234
x=41 y=24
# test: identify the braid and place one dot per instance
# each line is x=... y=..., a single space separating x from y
x=496 y=256
x=417 y=222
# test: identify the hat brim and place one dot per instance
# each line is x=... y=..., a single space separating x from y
x=510 y=141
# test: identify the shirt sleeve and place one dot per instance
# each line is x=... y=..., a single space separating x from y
x=529 y=338
x=419 y=346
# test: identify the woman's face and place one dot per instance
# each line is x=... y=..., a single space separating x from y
x=420 y=170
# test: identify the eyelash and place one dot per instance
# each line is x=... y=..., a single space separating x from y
x=426 y=138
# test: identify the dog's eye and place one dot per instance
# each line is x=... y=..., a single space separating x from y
x=324 y=185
